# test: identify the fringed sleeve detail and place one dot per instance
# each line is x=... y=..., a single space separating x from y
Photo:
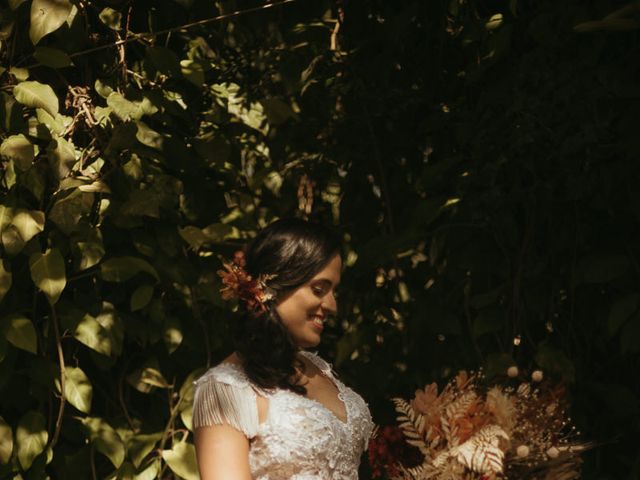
x=219 y=403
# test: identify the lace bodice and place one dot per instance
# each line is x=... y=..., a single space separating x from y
x=300 y=438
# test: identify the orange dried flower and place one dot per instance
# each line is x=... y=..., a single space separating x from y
x=240 y=285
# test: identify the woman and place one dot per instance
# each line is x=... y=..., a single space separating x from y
x=273 y=410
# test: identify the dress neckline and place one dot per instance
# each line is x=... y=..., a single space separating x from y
x=325 y=370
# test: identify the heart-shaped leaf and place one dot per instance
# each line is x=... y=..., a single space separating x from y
x=31 y=438
x=37 y=95
x=105 y=439
x=19 y=150
x=182 y=460
x=48 y=273
x=77 y=389
x=6 y=442
x=47 y=16
x=20 y=332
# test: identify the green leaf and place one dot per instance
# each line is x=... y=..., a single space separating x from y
x=47 y=16
x=92 y=334
x=12 y=241
x=6 y=442
x=67 y=211
x=193 y=236
x=494 y=22
x=78 y=389
x=19 y=150
x=57 y=125
x=149 y=137
x=182 y=460
x=28 y=223
x=48 y=273
x=621 y=311
x=90 y=248
x=31 y=438
x=192 y=71
x=151 y=472
x=172 y=333
x=37 y=95
x=146 y=378
x=141 y=297
x=105 y=439
x=62 y=155
x=277 y=110
x=52 y=57
x=6 y=278
x=165 y=61
x=121 y=269
x=13 y=4
x=139 y=446
x=20 y=332
x=111 y=18
x=124 y=108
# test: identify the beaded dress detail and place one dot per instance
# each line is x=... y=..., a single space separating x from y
x=300 y=439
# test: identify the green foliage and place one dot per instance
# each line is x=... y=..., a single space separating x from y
x=479 y=158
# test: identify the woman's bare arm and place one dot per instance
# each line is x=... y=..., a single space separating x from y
x=222 y=452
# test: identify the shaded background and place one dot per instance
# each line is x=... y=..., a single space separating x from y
x=479 y=157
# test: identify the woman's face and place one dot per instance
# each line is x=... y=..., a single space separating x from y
x=304 y=311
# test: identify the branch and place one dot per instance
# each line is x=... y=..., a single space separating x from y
x=56 y=329
x=141 y=36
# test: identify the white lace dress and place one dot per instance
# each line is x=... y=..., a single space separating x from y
x=300 y=439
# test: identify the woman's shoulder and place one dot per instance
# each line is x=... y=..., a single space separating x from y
x=228 y=371
x=318 y=361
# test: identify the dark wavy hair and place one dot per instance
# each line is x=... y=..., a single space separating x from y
x=294 y=251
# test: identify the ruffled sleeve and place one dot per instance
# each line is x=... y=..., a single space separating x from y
x=224 y=396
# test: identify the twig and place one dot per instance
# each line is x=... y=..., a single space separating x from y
x=140 y=36
x=56 y=329
x=94 y=474
x=165 y=435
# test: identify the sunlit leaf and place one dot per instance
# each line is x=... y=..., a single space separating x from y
x=172 y=333
x=91 y=249
x=140 y=445
x=124 y=108
x=111 y=18
x=37 y=95
x=48 y=273
x=182 y=460
x=105 y=439
x=20 y=332
x=6 y=279
x=92 y=334
x=68 y=210
x=6 y=442
x=78 y=389
x=31 y=438
x=62 y=155
x=19 y=149
x=494 y=22
x=47 y=16
x=28 y=223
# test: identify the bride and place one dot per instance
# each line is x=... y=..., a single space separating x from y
x=273 y=410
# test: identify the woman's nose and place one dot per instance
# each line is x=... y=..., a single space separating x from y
x=329 y=303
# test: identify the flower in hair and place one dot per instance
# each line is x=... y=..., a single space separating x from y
x=240 y=285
